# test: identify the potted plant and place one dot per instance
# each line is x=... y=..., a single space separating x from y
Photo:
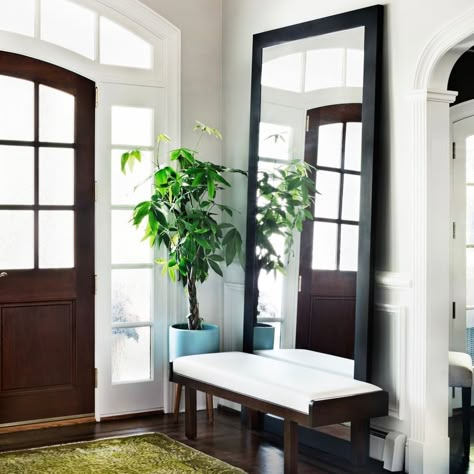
x=284 y=198
x=182 y=216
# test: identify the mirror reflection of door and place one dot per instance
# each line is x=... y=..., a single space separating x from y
x=329 y=244
x=47 y=241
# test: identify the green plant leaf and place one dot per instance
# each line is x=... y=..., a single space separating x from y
x=230 y=252
x=215 y=266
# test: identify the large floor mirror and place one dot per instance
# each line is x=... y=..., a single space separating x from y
x=316 y=99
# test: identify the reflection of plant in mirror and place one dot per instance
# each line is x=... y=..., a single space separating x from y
x=284 y=197
x=182 y=214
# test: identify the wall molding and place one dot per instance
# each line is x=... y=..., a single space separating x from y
x=390 y=328
x=393 y=280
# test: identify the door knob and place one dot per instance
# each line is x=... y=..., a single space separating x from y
x=3 y=274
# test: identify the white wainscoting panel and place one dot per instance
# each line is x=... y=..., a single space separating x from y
x=389 y=355
x=233 y=318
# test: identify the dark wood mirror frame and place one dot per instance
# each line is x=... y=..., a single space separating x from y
x=371 y=18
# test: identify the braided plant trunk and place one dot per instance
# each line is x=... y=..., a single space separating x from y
x=194 y=321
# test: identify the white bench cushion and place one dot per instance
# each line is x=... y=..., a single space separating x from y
x=460 y=369
x=275 y=381
x=312 y=360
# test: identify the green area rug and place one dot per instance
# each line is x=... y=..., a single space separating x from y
x=144 y=454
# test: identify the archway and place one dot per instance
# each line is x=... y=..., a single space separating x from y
x=428 y=444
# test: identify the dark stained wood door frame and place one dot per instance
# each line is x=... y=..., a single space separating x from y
x=53 y=287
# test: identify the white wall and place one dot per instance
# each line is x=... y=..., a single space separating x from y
x=200 y=22
x=409 y=27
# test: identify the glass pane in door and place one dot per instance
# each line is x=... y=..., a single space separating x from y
x=56 y=176
x=325 y=246
x=17 y=242
x=17 y=106
x=56 y=115
x=56 y=239
x=330 y=145
x=351 y=197
x=17 y=182
x=328 y=184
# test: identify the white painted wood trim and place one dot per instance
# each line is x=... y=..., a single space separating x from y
x=397 y=399
x=393 y=281
x=462 y=111
x=442 y=51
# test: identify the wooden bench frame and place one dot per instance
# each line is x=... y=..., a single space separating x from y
x=358 y=409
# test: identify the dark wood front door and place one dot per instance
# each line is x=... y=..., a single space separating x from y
x=46 y=241
x=329 y=244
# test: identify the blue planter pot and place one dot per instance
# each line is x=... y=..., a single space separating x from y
x=263 y=337
x=183 y=342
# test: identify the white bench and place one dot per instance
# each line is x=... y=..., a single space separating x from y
x=299 y=394
x=312 y=360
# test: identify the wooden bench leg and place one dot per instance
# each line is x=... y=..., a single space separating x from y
x=178 y=388
x=190 y=413
x=466 y=420
x=253 y=419
x=290 y=441
x=210 y=408
x=360 y=442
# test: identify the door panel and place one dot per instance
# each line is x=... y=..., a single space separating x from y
x=47 y=246
x=329 y=246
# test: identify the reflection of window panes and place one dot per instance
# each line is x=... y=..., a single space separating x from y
x=353 y=148
x=56 y=115
x=121 y=47
x=131 y=354
x=324 y=68
x=56 y=239
x=470 y=215
x=131 y=295
x=18 y=16
x=56 y=176
x=274 y=141
x=349 y=248
x=127 y=244
x=270 y=287
x=470 y=276
x=283 y=73
x=330 y=145
x=16 y=175
x=351 y=197
x=132 y=126
x=131 y=188
x=354 y=68
x=17 y=106
x=327 y=202
x=68 y=25
x=470 y=159
x=17 y=243
x=324 y=246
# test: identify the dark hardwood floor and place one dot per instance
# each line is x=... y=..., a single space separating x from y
x=458 y=464
x=254 y=452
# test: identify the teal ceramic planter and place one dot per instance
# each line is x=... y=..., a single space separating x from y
x=263 y=337
x=183 y=342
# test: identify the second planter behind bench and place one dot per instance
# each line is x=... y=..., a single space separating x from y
x=183 y=341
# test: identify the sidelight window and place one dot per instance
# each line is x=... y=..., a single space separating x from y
x=132 y=258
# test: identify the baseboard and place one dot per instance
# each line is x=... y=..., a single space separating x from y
x=44 y=424
x=127 y=416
